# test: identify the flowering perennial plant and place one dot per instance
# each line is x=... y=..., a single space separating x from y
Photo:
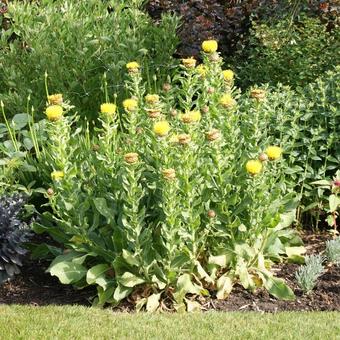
x=164 y=218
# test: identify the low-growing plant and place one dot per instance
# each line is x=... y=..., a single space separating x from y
x=13 y=234
x=177 y=193
x=307 y=275
x=333 y=251
x=77 y=41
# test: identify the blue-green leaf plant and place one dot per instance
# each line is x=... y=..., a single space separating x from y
x=176 y=194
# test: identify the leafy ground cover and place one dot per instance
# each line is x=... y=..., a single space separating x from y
x=75 y=322
x=35 y=287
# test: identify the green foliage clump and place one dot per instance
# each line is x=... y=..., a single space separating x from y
x=307 y=275
x=77 y=41
x=291 y=52
x=333 y=251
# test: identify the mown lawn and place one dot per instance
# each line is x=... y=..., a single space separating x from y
x=74 y=322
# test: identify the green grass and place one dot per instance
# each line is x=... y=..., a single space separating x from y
x=74 y=322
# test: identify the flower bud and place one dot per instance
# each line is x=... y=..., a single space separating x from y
x=184 y=139
x=139 y=130
x=153 y=113
x=169 y=174
x=95 y=147
x=131 y=157
x=211 y=90
x=258 y=94
x=205 y=109
x=211 y=214
x=50 y=192
x=166 y=87
x=174 y=113
x=263 y=157
x=213 y=135
x=336 y=183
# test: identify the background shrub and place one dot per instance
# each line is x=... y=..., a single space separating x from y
x=77 y=41
x=291 y=52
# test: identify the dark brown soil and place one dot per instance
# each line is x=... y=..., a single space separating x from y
x=35 y=287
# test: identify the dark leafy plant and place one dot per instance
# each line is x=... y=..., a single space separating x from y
x=13 y=233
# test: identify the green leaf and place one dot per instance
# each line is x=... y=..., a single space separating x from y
x=130 y=258
x=130 y=280
x=322 y=182
x=185 y=285
x=103 y=209
x=277 y=287
x=334 y=202
x=67 y=272
x=121 y=293
x=152 y=303
x=220 y=260
x=193 y=306
x=96 y=275
x=224 y=287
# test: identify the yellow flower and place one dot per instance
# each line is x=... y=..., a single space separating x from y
x=130 y=104
x=254 y=167
x=189 y=62
x=55 y=99
x=201 y=70
x=161 y=128
x=108 y=108
x=228 y=75
x=227 y=101
x=57 y=175
x=191 y=117
x=273 y=152
x=152 y=98
x=209 y=46
x=132 y=66
x=54 y=112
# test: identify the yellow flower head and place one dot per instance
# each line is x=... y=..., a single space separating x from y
x=209 y=46
x=130 y=104
x=254 y=167
x=191 y=117
x=161 y=128
x=228 y=75
x=273 y=152
x=57 y=175
x=55 y=99
x=152 y=98
x=227 y=101
x=201 y=70
x=133 y=66
x=189 y=62
x=108 y=108
x=54 y=112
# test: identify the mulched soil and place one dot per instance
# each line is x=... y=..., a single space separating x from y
x=35 y=287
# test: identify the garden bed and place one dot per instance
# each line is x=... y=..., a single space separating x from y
x=35 y=287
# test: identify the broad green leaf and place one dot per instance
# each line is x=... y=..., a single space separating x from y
x=244 y=276
x=96 y=275
x=121 y=293
x=224 y=287
x=105 y=295
x=185 y=285
x=101 y=206
x=140 y=304
x=277 y=287
x=322 y=182
x=292 y=251
x=334 y=202
x=152 y=303
x=220 y=260
x=130 y=280
x=203 y=274
x=68 y=272
x=130 y=258
x=286 y=219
